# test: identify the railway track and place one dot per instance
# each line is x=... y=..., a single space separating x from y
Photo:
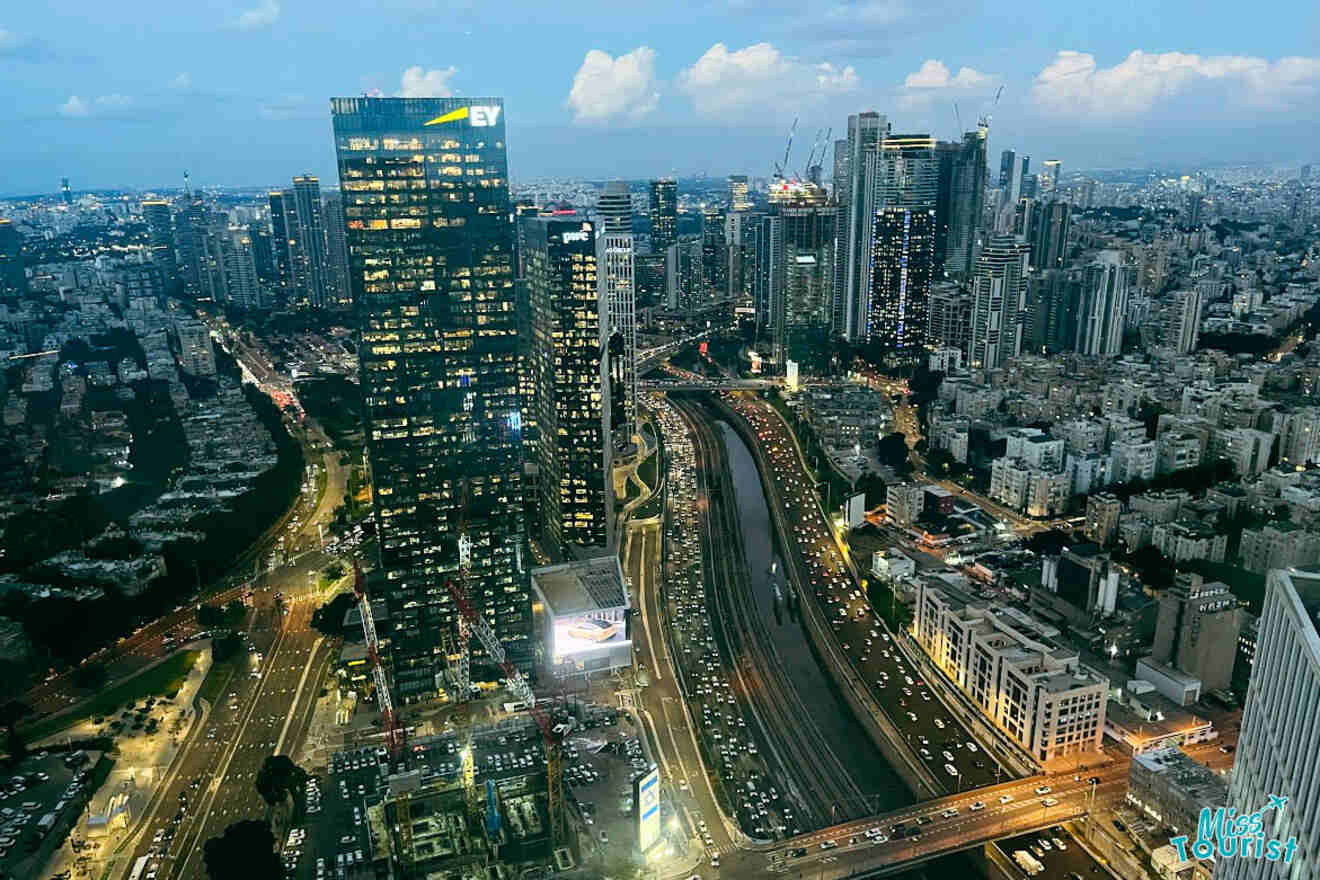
x=815 y=776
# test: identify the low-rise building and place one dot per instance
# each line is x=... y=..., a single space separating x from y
x=1172 y=788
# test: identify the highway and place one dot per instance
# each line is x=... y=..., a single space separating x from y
x=264 y=709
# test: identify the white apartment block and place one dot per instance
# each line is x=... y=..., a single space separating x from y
x=1133 y=461
x=904 y=502
x=1031 y=688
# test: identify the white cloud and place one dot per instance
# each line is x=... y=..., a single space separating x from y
x=1072 y=84
x=759 y=77
x=934 y=75
x=261 y=16
x=420 y=83
x=606 y=87
x=75 y=106
x=182 y=81
x=113 y=102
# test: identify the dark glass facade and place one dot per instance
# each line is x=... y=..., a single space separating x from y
x=569 y=367
x=427 y=215
x=664 y=214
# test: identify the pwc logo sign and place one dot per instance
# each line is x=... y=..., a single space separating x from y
x=478 y=116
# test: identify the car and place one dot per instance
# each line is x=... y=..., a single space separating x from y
x=1119 y=826
x=1045 y=844
x=977 y=807
x=1042 y=789
x=950 y=769
x=1059 y=844
x=604 y=837
x=1227 y=748
x=828 y=844
x=1049 y=802
x=949 y=813
x=1006 y=799
x=971 y=746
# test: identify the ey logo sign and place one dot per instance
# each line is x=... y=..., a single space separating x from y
x=481 y=117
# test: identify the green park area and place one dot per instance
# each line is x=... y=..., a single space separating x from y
x=163 y=680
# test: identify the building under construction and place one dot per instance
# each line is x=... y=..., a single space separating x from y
x=465 y=808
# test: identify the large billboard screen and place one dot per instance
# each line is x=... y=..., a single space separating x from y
x=856 y=510
x=648 y=809
x=600 y=631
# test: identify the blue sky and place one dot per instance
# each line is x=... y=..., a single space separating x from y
x=130 y=94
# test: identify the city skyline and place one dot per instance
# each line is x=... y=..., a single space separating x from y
x=707 y=89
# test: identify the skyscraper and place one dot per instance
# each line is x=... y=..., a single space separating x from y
x=242 y=288
x=902 y=175
x=739 y=197
x=1278 y=751
x=65 y=192
x=190 y=244
x=615 y=208
x=1026 y=183
x=802 y=303
x=949 y=316
x=966 y=202
x=336 y=251
x=160 y=237
x=737 y=239
x=664 y=214
x=432 y=278
x=903 y=266
x=714 y=255
x=616 y=269
x=568 y=342
x=1007 y=165
x=281 y=225
x=866 y=131
x=1106 y=286
x=999 y=294
x=1182 y=321
x=308 y=248
x=13 y=274
x=1049 y=177
x=1048 y=235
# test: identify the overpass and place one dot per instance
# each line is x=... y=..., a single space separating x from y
x=973 y=818
x=697 y=384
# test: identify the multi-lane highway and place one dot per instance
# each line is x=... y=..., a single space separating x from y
x=264 y=708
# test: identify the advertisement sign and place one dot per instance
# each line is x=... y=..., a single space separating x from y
x=599 y=630
x=648 y=809
x=856 y=510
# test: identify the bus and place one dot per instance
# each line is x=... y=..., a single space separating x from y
x=139 y=868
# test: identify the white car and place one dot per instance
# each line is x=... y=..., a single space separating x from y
x=1006 y=799
x=1042 y=789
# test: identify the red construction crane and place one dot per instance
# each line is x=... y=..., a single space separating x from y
x=389 y=721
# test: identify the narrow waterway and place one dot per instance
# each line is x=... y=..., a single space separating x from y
x=815 y=688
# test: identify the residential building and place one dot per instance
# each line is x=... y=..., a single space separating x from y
x=196 y=352
x=905 y=502
x=1028 y=685
x=962 y=185
x=856 y=198
x=1279 y=545
x=664 y=214
x=1106 y=286
x=616 y=268
x=1188 y=540
x=999 y=293
x=1102 y=512
x=311 y=268
x=739 y=197
x=903 y=262
x=160 y=235
x=1134 y=461
x=1182 y=321
x=949 y=317
x=1172 y=788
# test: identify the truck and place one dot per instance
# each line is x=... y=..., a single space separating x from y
x=1027 y=862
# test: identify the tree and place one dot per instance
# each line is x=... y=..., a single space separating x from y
x=334 y=571
x=10 y=714
x=225 y=646
x=246 y=851
x=280 y=780
x=329 y=618
x=234 y=611
x=893 y=451
x=209 y=616
x=89 y=676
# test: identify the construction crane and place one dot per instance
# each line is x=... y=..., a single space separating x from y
x=389 y=721
x=984 y=121
x=782 y=167
x=522 y=691
x=817 y=154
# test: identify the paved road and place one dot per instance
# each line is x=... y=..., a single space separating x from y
x=214 y=785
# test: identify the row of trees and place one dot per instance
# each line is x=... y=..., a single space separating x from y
x=247 y=849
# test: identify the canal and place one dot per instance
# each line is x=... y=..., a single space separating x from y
x=831 y=713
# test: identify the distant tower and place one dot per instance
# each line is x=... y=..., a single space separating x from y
x=739 y=198
x=1106 y=286
x=160 y=233
x=13 y=277
x=616 y=275
x=65 y=191
x=310 y=270
x=999 y=299
x=664 y=214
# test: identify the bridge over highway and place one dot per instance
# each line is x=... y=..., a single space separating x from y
x=694 y=384
x=943 y=826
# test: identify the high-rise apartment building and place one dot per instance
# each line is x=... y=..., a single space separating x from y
x=568 y=347
x=160 y=237
x=866 y=131
x=13 y=274
x=432 y=273
x=308 y=245
x=742 y=258
x=1049 y=176
x=1048 y=235
x=616 y=270
x=196 y=352
x=966 y=202
x=336 y=252
x=903 y=267
x=714 y=255
x=1102 y=312
x=190 y=226
x=282 y=228
x=1278 y=751
x=740 y=198
x=664 y=214
x=803 y=311
x=242 y=287
x=949 y=317
x=1026 y=181
x=999 y=297
x=1182 y=321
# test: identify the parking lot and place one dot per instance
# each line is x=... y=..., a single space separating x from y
x=1051 y=855
x=40 y=799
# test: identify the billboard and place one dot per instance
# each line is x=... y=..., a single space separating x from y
x=599 y=631
x=647 y=797
x=856 y=510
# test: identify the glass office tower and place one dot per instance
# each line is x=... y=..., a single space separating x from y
x=427 y=214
